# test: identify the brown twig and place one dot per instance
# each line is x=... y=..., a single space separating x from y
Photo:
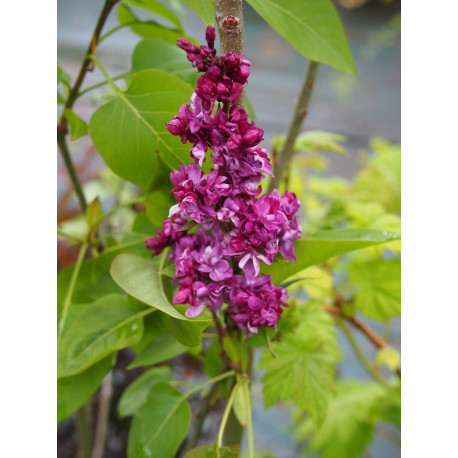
x=364 y=328
x=62 y=127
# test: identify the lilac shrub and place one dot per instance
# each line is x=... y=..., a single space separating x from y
x=220 y=262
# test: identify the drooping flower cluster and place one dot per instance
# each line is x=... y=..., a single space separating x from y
x=220 y=262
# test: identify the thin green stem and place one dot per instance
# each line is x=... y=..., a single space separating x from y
x=218 y=378
x=250 y=423
x=300 y=112
x=112 y=234
x=360 y=354
x=61 y=141
x=103 y=83
x=118 y=27
x=104 y=73
x=115 y=209
x=222 y=426
x=71 y=288
x=123 y=245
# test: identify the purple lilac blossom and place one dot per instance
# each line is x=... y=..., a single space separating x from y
x=220 y=263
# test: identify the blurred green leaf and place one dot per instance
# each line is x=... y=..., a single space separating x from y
x=312 y=27
x=162 y=348
x=76 y=390
x=304 y=371
x=141 y=279
x=389 y=357
x=209 y=451
x=78 y=127
x=378 y=288
x=160 y=425
x=93 y=212
x=325 y=245
x=153 y=6
x=349 y=424
x=242 y=402
x=137 y=392
x=155 y=53
x=391 y=407
x=129 y=131
x=95 y=330
x=380 y=179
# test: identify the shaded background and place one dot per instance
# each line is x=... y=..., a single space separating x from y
x=358 y=109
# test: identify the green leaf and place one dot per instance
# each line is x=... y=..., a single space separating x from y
x=155 y=53
x=303 y=373
x=136 y=393
x=141 y=279
x=391 y=407
x=378 y=285
x=76 y=390
x=59 y=74
x=314 y=140
x=315 y=280
x=189 y=332
x=312 y=27
x=162 y=348
x=60 y=99
x=348 y=427
x=158 y=8
x=205 y=9
x=95 y=330
x=94 y=280
x=325 y=245
x=129 y=131
x=209 y=451
x=242 y=402
x=160 y=425
x=213 y=363
x=148 y=29
x=78 y=127
x=389 y=357
x=93 y=212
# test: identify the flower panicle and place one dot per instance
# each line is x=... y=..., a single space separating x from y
x=220 y=263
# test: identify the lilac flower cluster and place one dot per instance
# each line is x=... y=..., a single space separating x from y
x=220 y=262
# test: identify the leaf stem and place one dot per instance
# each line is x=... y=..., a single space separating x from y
x=250 y=423
x=102 y=83
x=218 y=378
x=360 y=354
x=62 y=127
x=227 y=410
x=300 y=112
x=71 y=288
